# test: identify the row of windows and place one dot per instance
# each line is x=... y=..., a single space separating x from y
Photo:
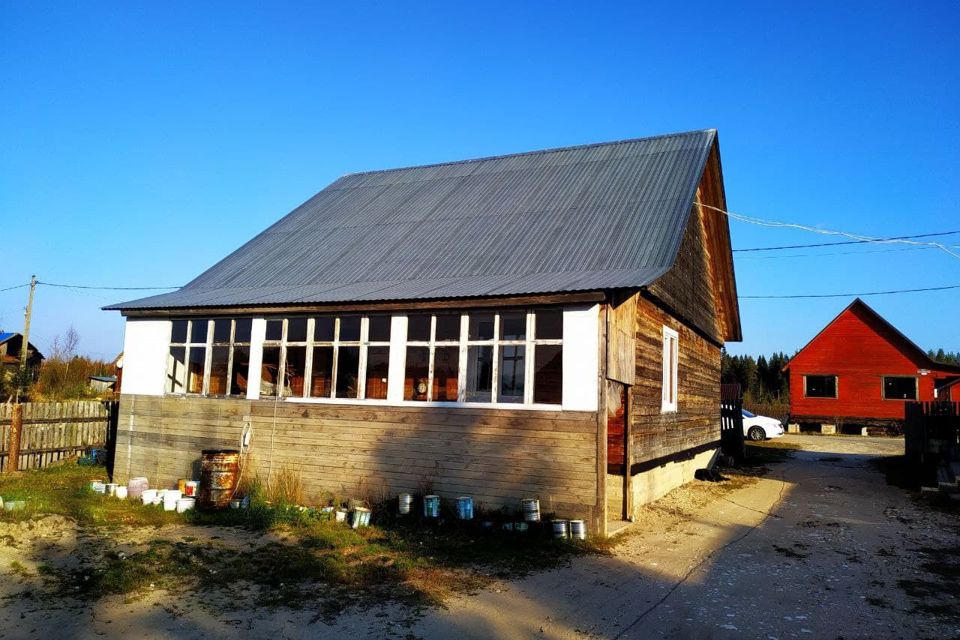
x=894 y=387
x=510 y=357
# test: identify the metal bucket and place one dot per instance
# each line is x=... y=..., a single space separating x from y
x=136 y=486
x=431 y=506
x=521 y=527
x=578 y=530
x=465 y=508
x=98 y=486
x=360 y=518
x=405 y=502
x=561 y=529
x=218 y=478
x=531 y=509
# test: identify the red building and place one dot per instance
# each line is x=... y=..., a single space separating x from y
x=860 y=370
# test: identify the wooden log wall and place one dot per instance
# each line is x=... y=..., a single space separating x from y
x=55 y=430
x=497 y=456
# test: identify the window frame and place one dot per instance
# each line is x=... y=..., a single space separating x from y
x=916 y=387
x=836 y=385
x=670 y=357
x=188 y=345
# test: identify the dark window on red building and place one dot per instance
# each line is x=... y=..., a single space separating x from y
x=899 y=388
x=820 y=386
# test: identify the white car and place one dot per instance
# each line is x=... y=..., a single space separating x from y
x=759 y=428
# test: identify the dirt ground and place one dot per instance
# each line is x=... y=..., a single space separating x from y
x=820 y=547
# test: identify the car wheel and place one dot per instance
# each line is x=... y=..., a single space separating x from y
x=757 y=434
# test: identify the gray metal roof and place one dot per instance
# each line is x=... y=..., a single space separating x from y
x=583 y=218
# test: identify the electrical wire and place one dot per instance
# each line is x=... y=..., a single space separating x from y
x=833 y=253
x=847 y=295
x=834 y=244
x=78 y=286
x=19 y=286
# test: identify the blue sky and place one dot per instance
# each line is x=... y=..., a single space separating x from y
x=142 y=142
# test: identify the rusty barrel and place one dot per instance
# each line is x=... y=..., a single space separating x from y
x=219 y=469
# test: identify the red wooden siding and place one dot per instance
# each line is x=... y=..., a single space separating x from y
x=860 y=348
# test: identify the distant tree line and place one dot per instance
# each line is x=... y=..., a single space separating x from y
x=761 y=379
x=946 y=357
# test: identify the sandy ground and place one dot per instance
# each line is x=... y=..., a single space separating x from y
x=821 y=547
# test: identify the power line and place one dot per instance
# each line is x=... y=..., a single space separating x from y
x=78 y=286
x=847 y=295
x=833 y=253
x=19 y=286
x=834 y=244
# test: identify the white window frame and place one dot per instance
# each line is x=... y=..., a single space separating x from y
x=208 y=346
x=671 y=367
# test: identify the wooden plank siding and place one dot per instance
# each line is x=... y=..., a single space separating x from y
x=498 y=456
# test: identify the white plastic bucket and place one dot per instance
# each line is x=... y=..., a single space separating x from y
x=185 y=504
x=190 y=488
x=361 y=518
x=148 y=496
x=431 y=506
x=465 y=508
x=98 y=486
x=531 y=509
x=561 y=529
x=341 y=515
x=170 y=499
x=578 y=530
x=120 y=492
x=405 y=502
x=110 y=488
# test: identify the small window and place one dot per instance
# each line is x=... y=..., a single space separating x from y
x=899 y=388
x=820 y=386
x=671 y=351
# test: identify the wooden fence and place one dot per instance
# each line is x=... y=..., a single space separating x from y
x=52 y=431
x=931 y=433
x=731 y=422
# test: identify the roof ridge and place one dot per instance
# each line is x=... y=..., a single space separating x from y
x=530 y=153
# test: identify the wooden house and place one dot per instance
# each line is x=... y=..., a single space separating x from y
x=859 y=371
x=10 y=346
x=544 y=324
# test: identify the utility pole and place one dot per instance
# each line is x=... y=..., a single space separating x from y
x=26 y=325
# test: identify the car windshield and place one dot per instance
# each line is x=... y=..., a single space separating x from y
x=747 y=414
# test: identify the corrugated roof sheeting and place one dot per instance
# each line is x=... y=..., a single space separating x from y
x=582 y=218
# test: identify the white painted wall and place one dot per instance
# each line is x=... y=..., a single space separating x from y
x=398 y=358
x=258 y=332
x=146 y=345
x=581 y=338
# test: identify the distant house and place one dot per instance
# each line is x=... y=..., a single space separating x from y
x=102 y=384
x=859 y=370
x=544 y=324
x=10 y=345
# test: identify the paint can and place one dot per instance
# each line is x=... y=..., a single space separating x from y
x=578 y=530
x=158 y=497
x=182 y=485
x=185 y=504
x=360 y=517
x=120 y=492
x=341 y=515
x=431 y=506
x=531 y=509
x=98 y=486
x=219 y=469
x=561 y=529
x=190 y=488
x=170 y=499
x=465 y=508
x=405 y=502
x=136 y=486
x=110 y=489
x=147 y=496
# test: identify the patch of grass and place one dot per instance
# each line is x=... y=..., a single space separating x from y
x=18 y=568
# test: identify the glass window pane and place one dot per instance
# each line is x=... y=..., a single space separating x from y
x=512 y=368
x=350 y=329
x=479 y=373
x=379 y=329
x=177 y=368
x=348 y=372
x=378 y=365
x=448 y=328
x=178 y=332
x=821 y=386
x=446 y=365
x=197 y=356
x=895 y=388
x=548 y=373
x=293 y=371
x=241 y=368
x=221 y=330
x=513 y=326
x=242 y=331
x=198 y=331
x=323 y=329
x=481 y=326
x=418 y=328
x=274 y=329
x=416 y=377
x=269 y=371
x=297 y=330
x=219 y=359
x=322 y=373
x=549 y=324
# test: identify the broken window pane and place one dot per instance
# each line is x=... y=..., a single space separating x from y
x=297 y=330
x=198 y=331
x=512 y=367
x=177 y=368
x=323 y=329
x=197 y=358
x=269 y=371
x=294 y=370
x=379 y=329
x=241 y=367
x=348 y=371
x=350 y=329
x=274 y=329
x=219 y=359
x=242 y=331
x=178 y=331
x=322 y=374
x=221 y=331
x=479 y=373
x=416 y=378
x=448 y=328
x=481 y=326
x=513 y=325
x=378 y=365
x=446 y=366
x=548 y=373
x=549 y=324
x=418 y=328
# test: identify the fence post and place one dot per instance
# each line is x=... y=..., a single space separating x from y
x=13 y=450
